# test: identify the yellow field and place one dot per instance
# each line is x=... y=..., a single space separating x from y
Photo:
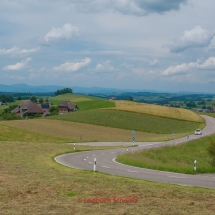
x=89 y=133
x=157 y=110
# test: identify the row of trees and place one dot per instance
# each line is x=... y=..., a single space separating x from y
x=6 y=98
x=63 y=91
x=40 y=100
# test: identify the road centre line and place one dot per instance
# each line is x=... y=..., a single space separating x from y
x=173 y=176
x=106 y=167
x=132 y=171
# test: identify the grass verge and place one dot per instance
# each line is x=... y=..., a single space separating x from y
x=178 y=158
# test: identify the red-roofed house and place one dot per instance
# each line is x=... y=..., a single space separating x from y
x=67 y=106
x=30 y=108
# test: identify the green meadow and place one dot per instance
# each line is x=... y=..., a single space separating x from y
x=131 y=121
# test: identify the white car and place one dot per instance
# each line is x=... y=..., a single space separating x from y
x=198 y=132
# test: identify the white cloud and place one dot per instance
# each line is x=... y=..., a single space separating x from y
x=184 y=68
x=18 y=66
x=28 y=51
x=194 y=38
x=13 y=50
x=73 y=66
x=104 y=67
x=66 y=32
x=17 y=51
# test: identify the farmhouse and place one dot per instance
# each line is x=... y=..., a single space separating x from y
x=30 y=108
x=67 y=106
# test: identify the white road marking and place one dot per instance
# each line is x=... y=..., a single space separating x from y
x=173 y=176
x=90 y=163
x=85 y=159
x=132 y=171
x=105 y=166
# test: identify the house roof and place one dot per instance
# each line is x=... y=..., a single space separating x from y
x=68 y=104
x=28 y=107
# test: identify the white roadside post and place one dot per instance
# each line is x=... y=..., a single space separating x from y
x=195 y=165
x=74 y=146
x=133 y=137
x=127 y=150
x=94 y=166
x=173 y=137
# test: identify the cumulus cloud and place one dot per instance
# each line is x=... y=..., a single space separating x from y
x=73 y=66
x=66 y=32
x=29 y=51
x=184 y=68
x=104 y=67
x=17 y=51
x=133 y=7
x=194 y=38
x=18 y=66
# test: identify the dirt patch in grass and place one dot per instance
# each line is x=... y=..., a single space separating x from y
x=32 y=183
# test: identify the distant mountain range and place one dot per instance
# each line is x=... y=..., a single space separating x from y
x=24 y=88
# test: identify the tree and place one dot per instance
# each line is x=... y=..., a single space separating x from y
x=6 y=98
x=211 y=151
x=19 y=98
x=63 y=91
x=47 y=100
x=131 y=98
x=54 y=110
x=41 y=100
x=33 y=99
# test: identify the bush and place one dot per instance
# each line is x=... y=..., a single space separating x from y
x=11 y=116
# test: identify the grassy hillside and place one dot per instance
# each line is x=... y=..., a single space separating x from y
x=156 y=110
x=73 y=131
x=32 y=183
x=130 y=121
x=8 y=133
x=178 y=158
x=84 y=102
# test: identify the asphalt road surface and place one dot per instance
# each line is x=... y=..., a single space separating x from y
x=106 y=161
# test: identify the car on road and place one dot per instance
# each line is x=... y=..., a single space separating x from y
x=198 y=132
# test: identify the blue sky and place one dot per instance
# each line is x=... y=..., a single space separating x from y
x=126 y=44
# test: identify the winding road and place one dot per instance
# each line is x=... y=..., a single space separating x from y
x=106 y=161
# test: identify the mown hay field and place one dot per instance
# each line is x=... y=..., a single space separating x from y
x=31 y=182
x=178 y=158
x=157 y=110
x=17 y=134
x=131 y=121
x=72 y=131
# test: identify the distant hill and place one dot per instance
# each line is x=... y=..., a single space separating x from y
x=23 y=88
